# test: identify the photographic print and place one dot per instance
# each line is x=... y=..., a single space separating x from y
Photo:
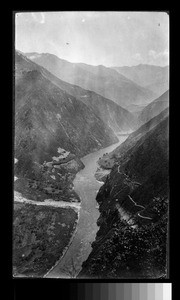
x=91 y=145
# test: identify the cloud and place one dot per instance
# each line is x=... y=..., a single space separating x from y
x=83 y=20
x=153 y=54
x=161 y=57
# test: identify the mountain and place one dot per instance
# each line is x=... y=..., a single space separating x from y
x=52 y=131
x=117 y=118
x=100 y=79
x=138 y=134
x=154 y=78
x=133 y=203
x=154 y=108
x=136 y=109
x=47 y=117
x=108 y=160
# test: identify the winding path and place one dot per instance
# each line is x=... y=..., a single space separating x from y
x=135 y=202
x=139 y=206
x=144 y=217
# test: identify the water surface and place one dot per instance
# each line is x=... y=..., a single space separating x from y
x=86 y=186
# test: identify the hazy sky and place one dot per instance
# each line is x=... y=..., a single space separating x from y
x=107 y=38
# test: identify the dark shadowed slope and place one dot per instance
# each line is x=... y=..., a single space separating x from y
x=155 y=78
x=154 y=108
x=133 y=204
x=47 y=117
x=140 y=132
x=102 y=80
x=110 y=158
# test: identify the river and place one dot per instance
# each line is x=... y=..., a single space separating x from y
x=86 y=186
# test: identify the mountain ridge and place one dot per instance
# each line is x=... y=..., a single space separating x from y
x=42 y=111
x=108 y=110
x=154 y=78
x=102 y=80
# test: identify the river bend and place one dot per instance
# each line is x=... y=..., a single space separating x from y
x=87 y=187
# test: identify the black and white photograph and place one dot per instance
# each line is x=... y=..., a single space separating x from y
x=91 y=145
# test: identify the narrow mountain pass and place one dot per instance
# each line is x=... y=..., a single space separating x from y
x=87 y=187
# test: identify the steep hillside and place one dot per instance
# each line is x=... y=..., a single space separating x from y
x=154 y=78
x=52 y=131
x=118 y=119
x=102 y=80
x=108 y=160
x=136 y=109
x=154 y=108
x=133 y=204
x=47 y=118
x=40 y=235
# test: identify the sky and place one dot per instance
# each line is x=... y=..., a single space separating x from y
x=96 y=38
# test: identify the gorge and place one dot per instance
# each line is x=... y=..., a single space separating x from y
x=90 y=180
x=86 y=186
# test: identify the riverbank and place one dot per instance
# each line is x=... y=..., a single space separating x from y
x=46 y=213
x=87 y=187
x=131 y=241
x=78 y=244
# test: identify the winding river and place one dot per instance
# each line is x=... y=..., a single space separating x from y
x=86 y=186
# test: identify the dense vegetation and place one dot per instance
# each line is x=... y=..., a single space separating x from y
x=124 y=252
x=49 y=182
x=40 y=234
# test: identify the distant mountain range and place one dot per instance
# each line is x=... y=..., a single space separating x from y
x=119 y=119
x=132 y=238
x=154 y=78
x=107 y=82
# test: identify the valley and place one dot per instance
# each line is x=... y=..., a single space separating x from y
x=86 y=186
x=91 y=190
